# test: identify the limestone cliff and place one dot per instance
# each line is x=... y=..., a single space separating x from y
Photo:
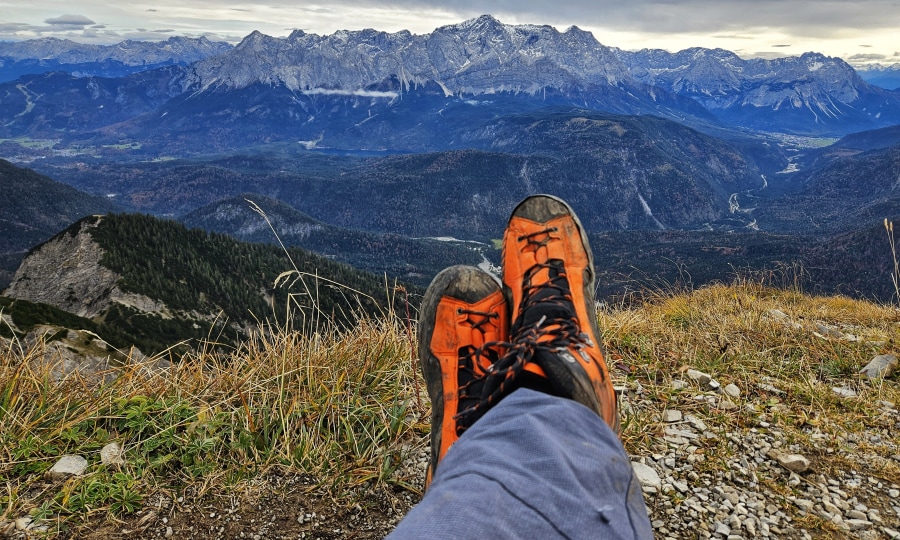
x=65 y=272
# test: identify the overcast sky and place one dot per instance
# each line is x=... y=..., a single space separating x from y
x=858 y=31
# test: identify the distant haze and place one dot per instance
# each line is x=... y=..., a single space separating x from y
x=860 y=31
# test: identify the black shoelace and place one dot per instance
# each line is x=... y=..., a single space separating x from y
x=546 y=310
x=470 y=371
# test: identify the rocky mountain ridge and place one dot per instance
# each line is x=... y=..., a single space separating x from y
x=479 y=56
x=811 y=89
x=44 y=55
x=154 y=283
x=175 y=50
x=367 y=89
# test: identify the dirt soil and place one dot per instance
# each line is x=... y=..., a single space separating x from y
x=278 y=506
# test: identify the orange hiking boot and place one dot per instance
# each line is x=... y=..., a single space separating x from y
x=462 y=322
x=548 y=276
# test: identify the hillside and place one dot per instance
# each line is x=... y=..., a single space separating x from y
x=33 y=208
x=412 y=260
x=152 y=283
x=325 y=435
x=852 y=192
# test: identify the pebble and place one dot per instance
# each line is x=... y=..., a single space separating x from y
x=646 y=475
x=701 y=378
x=845 y=392
x=732 y=390
x=111 y=455
x=880 y=367
x=857 y=524
x=66 y=466
x=671 y=415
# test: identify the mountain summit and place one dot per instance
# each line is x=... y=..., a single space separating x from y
x=811 y=92
x=479 y=56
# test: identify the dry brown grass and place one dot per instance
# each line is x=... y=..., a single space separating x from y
x=342 y=406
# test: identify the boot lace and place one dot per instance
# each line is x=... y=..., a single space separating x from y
x=555 y=329
x=474 y=362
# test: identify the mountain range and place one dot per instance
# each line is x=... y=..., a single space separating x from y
x=370 y=90
x=44 y=55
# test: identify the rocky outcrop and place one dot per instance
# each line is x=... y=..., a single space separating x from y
x=65 y=272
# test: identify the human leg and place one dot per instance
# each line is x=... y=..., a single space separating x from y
x=527 y=464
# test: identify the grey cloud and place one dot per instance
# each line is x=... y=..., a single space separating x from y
x=780 y=45
x=866 y=57
x=810 y=18
x=732 y=36
x=13 y=27
x=69 y=20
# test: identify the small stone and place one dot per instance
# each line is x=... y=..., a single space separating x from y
x=831 y=509
x=701 y=378
x=646 y=475
x=714 y=385
x=111 y=455
x=671 y=415
x=792 y=462
x=722 y=529
x=680 y=486
x=732 y=390
x=777 y=314
x=891 y=533
x=765 y=387
x=857 y=524
x=828 y=330
x=23 y=523
x=856 y=514
x=68 y=465
x=727 y=405
x=844 y=392
x=695 y=422
x=804 y=504
x=678 y=384
x=169 y=532
x=894 y=493
x=880 y=367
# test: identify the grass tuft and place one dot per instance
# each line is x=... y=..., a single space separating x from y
x=338 y=406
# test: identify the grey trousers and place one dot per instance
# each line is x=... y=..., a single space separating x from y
x=534 y=466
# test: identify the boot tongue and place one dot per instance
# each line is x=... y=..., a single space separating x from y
x=549 y=303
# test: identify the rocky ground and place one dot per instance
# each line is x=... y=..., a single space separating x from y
x=709 y=480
